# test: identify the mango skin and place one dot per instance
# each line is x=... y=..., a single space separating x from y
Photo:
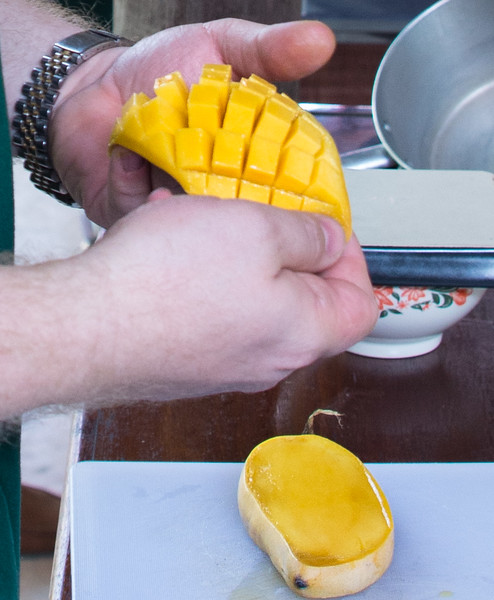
x=236 y=139
x=313 y=577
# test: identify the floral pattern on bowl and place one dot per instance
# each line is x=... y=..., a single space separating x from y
x=394 y=300
x=412 y=320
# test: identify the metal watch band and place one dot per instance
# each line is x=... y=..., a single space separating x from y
x=33 y=110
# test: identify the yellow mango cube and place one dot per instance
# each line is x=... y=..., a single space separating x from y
x=131 y=124
x=327 y=182
x=294 y=170
x=221 y=186
x=138 y=99
x=228 y=153
x=242 y=111
x=288 y=200
x=262 y=161
x=318 y=206
x=158 y=115
x=194 y=148
x=173 y=89
x=195 y=182
x=159 y=148
x=216 y=73
x=329 y=153
x=305 y=135
x=258 y=85
x=254 y=191
x=276 y=118
x=219 y=76
x=205 y=107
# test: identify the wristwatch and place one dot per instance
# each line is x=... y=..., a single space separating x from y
x=33 y=110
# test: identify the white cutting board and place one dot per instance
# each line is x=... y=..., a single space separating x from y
x=171 y=531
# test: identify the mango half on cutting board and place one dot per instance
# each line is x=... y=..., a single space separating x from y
x=318 y=513
x=236 y=140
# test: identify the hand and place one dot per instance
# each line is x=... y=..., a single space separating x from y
x=91 y=98
x=206 y=295
x=184 y=296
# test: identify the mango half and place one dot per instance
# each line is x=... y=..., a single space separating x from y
x=318 y=513
x=236 y=140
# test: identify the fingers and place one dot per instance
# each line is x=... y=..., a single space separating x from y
x=349 y=302
x=283 y=51
x=352 y=295
x=284 y=285
x=335 y=307
x=307 y=242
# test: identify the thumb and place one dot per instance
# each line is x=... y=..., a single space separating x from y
x=316 y=242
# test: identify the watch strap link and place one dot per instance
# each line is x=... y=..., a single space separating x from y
x=34 y=108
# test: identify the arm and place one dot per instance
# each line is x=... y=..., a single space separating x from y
x=91 y=97
x=163 y=314
x=157 y=308
x=28 y=29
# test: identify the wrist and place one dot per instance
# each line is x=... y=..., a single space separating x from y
x=40 y=95
x=51 y=328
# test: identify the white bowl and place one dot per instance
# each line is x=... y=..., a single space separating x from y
x=412 y=319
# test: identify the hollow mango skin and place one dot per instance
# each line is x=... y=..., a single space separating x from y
x=318 y=513
x=236 y=140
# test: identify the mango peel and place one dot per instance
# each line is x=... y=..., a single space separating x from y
x=236 y=140
x=318 y=513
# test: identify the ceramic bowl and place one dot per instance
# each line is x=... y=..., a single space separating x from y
x=412 y=319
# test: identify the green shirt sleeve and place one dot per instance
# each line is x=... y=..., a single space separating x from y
x=6 y=186
x=10 y=481
x=10 y=490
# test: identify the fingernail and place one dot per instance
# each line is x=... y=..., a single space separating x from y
x=159 y=194
x=334 y=234
x=130 y=161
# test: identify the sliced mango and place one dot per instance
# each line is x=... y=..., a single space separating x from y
x=236 y=139
x=318 y=513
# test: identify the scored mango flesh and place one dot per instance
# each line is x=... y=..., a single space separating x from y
x=323 y=500
x=236 y=140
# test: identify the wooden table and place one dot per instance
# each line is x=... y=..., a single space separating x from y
x=437 y=407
